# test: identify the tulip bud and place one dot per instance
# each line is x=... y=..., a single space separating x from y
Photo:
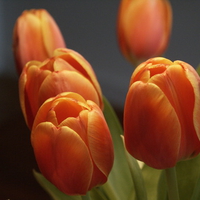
x=36 y=35
x=67 y=71
x=143 y=28
x=72 y=143
x=162 y=113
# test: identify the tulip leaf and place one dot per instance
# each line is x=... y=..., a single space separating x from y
x=136 y=173
x=119 y=184
x=196 y=192
x=52 y=190
x=151 y=181
x=162 y=187
x=188 y=175
x=97 y=194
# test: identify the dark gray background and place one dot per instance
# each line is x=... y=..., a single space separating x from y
x=89 y=27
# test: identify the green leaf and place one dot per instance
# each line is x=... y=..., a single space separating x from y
x=151 y=180
x=136 y=173
x=120 y=184
x=97 y=194
x=196 y=192
x=188 y=173
x=52 y=190
x=162 y=187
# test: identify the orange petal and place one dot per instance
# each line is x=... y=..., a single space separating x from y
x=29 y=38
x=63 y=158
x=99 y=143
x=67 y=81
x=82 y=65
x=152 y=129
x=52 y=36
x=194 y=80
x=180 y=93
x=29 y=84
x=77 y=125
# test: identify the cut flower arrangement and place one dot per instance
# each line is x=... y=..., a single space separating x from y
x=79 y=144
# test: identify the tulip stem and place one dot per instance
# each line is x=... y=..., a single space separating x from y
x=172 y=183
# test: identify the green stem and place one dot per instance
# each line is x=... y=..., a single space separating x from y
x=172 y=183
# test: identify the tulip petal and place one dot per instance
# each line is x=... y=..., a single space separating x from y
x=67 y=81
x=78 y=124
x=99 y=140
x=82 y=65
x=148 y=120
x=63 y=158
x=28 y=42
x=66 y=104
x=60 y=64
x=52 y=36
x=194 y=80
x=182 y=99
x=28 y=89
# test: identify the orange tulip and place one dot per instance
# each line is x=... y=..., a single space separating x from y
x=36 y=36
x=143 y=28
x=67 y=71
x=162 y=113
x=72 y=143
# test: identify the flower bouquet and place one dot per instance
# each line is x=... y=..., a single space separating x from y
x=81 y=148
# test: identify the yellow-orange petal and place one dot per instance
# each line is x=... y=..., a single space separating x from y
x=148 y=120
x=52 y=36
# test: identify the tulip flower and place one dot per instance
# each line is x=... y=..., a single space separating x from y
x=67 y=71
x=36 y=35
x=72 y=143
x=162 y=113
x=143 y=28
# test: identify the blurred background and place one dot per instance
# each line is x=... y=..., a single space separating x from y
x=89 y=27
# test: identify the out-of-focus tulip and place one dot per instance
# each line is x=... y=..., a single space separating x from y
x=36 y=36
x=162 y=113
x=67 y=71
x=72 y=143
x=143 y=28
